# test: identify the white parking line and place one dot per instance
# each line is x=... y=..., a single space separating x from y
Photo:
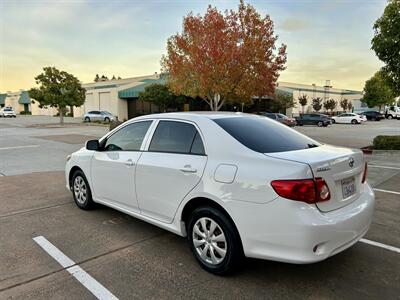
x=387 y=247
x=98 y=290
x=19 y=147
x=386 y=191
x=383 y=167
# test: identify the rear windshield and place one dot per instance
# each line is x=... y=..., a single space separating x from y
x=264 y=135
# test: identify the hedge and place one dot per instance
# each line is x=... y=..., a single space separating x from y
x=386 y=142
x=25 y=113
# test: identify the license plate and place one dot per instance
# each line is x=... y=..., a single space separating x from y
x=348 y=187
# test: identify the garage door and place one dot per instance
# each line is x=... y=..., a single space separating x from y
x=105 y=101
x=90 y=103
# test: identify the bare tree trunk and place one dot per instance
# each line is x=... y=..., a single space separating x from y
x=61 y=110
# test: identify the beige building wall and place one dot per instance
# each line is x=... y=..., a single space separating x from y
x=37 y=111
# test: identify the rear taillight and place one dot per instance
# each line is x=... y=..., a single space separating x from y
x=364 y=177
x=306 y=190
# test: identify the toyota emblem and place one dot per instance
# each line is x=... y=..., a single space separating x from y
x=351 y=162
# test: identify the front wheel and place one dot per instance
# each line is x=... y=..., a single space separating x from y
x=87 y=119
x=320 y=124
x=390 y=117
x=107 y=119
x=333 y=121
x=354 y=122
x=81 y=191
x=214 y=241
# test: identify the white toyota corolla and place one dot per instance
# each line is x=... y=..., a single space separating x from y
x=235 y=184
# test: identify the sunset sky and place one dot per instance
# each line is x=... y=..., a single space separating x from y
x=326 y=39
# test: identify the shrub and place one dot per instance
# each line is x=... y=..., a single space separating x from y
x=25 y=113
x=386 y=142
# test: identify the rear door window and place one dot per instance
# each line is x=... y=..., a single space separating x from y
x=176 y=137
x=264 y=135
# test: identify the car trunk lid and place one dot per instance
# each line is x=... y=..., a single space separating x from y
x=341 y=168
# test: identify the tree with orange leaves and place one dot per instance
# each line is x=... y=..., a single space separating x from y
x=224 y=57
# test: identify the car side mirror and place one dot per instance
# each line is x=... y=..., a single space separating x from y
x=93 y=145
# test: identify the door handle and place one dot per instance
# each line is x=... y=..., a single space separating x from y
x=129 y=163
x=188 y=169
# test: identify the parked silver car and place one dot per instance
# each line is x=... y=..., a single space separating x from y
x=97 y=115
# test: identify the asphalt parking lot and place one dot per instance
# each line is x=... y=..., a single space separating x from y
x=132 y=259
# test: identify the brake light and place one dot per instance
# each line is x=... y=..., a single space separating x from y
x=305 y=190
x=365 y=173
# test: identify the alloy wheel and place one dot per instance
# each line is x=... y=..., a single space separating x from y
x=80 y=190
x=209 y=241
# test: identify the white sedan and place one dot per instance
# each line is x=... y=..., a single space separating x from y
x=7 y=112
x=234 y=184
x=349 y=118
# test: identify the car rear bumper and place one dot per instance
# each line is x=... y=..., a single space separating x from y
x=295 y=232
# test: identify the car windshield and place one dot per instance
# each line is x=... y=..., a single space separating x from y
x=106 y=113
x=264 y=135
x=8 y=109
x=283 y=116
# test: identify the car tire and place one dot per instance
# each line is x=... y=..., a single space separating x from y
x=354 y=121
x=333 y=121
x=224 y=237
x=81 y=191
x=87 y=119
x=390 y=117
x=107 y=119
x=320 y=124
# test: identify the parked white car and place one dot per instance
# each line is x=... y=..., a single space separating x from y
x=7 y=112
x=234 y=184
x=349 y=118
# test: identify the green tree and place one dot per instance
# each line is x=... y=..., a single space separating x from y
x=378 y=91
x=344 y=103
x=317 y=104
x=330 y=104
x=386 y=42
x=58 y=89
x=303 y=101
x=282 y=101
x=350 y=106
x=160 y=95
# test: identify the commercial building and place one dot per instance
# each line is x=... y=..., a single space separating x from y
x=324 y=92
x=121 y=98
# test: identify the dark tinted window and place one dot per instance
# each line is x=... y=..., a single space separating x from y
x=174 y=137
x=197 y=147
x=269 y=115
x=128 y=138
x=263 y=135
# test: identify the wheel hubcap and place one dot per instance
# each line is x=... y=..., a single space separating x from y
x=80 y=190
x=209 y=241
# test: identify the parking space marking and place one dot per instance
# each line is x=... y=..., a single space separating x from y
x=383 y=167
x=19 y=147
x=386 y=191
x=96 y=288
x=384 y=246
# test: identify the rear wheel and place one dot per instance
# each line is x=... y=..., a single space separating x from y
x=390 y=117
x=320 y=124
x=214 y=241
x=81 y=191
x=354 y=121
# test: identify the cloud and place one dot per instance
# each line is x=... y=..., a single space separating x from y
x=294 y=24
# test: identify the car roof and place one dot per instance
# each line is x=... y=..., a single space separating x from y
x=193 y=115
